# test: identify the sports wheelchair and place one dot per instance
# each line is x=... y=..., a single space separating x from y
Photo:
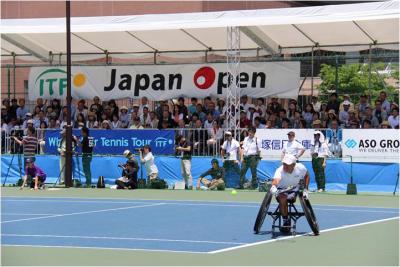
x=293 y=213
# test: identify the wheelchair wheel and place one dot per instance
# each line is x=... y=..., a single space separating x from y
x=262 y=212
x=309 y=213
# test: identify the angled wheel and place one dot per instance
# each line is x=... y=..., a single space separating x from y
x=309 y=213
x=262 y=212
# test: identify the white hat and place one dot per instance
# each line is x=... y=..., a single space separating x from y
x=289 y=159
x=28 y=114
x=228 y=133
x=30 y=121
x=346 y=102
x=123 y=107
x=127 y=153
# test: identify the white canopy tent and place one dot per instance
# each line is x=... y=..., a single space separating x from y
x=350 y=27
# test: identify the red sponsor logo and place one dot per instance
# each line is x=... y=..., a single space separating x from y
x=204 y=77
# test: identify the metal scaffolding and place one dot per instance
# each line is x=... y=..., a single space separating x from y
x=233 y=71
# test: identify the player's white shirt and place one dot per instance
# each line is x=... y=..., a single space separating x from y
x=231 y=148
x=290 y=179
x=292 y=148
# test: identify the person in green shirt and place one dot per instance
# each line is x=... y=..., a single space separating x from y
x=217 y=174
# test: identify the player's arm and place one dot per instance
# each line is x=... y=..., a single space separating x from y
x=307 y=179
x=18 y=141
x=302 y=150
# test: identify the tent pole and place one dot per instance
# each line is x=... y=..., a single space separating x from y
x=336 y=73
x=312 y=71
x=14 y=69
x=68 y=152
x=8 y=82
x=369 y=72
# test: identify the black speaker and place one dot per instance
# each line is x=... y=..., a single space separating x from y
x=100 y=182
x=351 y=189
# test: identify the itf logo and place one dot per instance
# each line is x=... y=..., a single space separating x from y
x=350 y=143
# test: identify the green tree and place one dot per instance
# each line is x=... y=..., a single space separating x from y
x=353 y=79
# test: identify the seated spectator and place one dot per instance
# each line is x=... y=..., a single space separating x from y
x=352 y=118
x=344 y=113
x=153 y=120
x=41 y=136
x=286 y=123
x=384 y=101
x=21 y=110
x=354 y=125
x=221 y=107
x=362 y=105
x=373 y=121
x=5 y=116
x=243 y=120
x=166 y=117
x=308 y=115
x=208 y=123
x=323 y=113
x=316 y=104
x=80 y=119
x=385 y=125
x=116 y=123
x=260 y=106
x=274 y=105
x=199 y=137
x=113 y=108
x=215 y=135
x=53 y=124
x=81 y=109
x=177 y=115
x=182 y=108
x=258 y=124
x=200 y=113
x=56 y=106
x=244 y=105
x=136 y=124
x=317 y=124
x=92 y=120
x=145 y=119
x=379 y=112
x=296 y=120
x=394 y=118
x=144 y=103
x=331 y=116
x=334 y=137
x=251 y=114
x=366 y=124
x=124 y=117
x=105 y=125
x=291 y=111
x=346 y=97
x=192 y=106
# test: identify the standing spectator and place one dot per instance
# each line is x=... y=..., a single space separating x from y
x=379 y=112
x=29 y=143
x=184 y=151
x=319 y=153
x=21 y=110
x=333 y=103
x=62 y=147
x=384 y=101
x=230 y=150
x=41 y=132
x=394 y=118
x=334 y=138
x=250 y=156
x=147 y=158
x=292 y=146
x=87 y=145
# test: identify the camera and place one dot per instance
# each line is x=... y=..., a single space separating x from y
x=139 y=149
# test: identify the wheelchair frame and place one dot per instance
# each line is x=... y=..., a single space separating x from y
x=293 y=215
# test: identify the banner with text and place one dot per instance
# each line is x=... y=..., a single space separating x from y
x=116 y=141
x=272 y=141
x=371 y=145
x=162 y=82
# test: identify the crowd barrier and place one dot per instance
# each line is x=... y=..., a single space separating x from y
x=369 y=177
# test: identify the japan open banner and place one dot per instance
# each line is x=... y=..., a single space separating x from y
x=371 y=145
x=162 y=82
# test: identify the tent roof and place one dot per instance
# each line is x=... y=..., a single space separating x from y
x=348 y=27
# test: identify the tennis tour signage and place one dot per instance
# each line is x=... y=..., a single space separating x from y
x=159 y=82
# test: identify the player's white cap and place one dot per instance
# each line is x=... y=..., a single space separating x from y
x=289 y=159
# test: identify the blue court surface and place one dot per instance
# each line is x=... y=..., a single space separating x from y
x=156 y=225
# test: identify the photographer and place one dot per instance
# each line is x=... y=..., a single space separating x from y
x=147 y=158
x=129 y=172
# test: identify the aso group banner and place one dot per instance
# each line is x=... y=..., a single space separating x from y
x=272 y=141
x=371 y=145
x=116 y=141
x=161 y=82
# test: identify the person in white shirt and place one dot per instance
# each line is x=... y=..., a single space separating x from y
x=249 y=157
x=319 y=153
x=292 y=147
x=147 y=158
x=229 y=153
x=288 y=176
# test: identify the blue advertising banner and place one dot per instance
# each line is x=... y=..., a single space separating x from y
x=116 y=141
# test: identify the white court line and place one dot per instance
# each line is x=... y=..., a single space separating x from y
x=290 y=237
x=128 y=238
x=83 y=212
x=107 y=248
x=29 y=214
x=178 y=200
x=367 y=209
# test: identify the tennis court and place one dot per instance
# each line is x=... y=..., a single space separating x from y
x=172 y=224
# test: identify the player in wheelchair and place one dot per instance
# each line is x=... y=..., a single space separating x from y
x=290 y=180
